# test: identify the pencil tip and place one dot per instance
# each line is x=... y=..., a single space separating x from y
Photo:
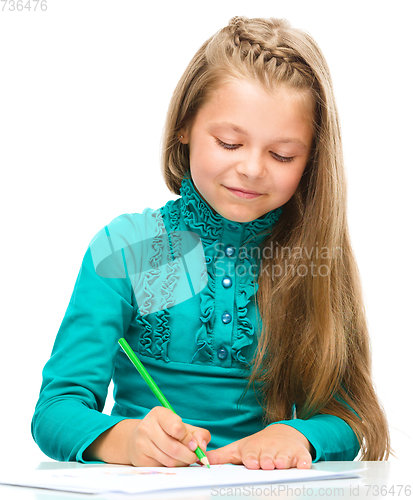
x=205 y=461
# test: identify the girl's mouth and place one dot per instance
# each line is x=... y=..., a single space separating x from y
x=243 y=194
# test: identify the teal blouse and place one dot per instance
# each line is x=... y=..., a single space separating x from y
x=179 y=284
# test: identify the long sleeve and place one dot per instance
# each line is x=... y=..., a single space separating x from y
x=68 y=416
x=331 y=437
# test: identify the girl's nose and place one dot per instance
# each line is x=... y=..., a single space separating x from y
x=252 y=165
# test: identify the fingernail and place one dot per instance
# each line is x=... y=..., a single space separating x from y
x=192 y=445
x=204 y=445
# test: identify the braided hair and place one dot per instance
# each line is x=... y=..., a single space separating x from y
x=266 y=49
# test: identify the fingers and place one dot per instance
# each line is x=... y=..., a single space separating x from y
x=256 y=458
x=200 y=435
x=152 y=447
x=285 y=461
x=172 y=438
x=173 y=453
x=187 y=434
x=164 y=440
x=226 y=455
x=256 y=455
x=304 y=462
x=172 y=424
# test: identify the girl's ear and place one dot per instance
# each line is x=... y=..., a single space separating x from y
x=183 y=135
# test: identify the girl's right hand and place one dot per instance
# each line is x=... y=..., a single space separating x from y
x=162 y=439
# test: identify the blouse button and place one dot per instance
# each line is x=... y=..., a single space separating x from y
x=222 y=353
x=229 y=251
x=233 y=227
x=227 y=282
x=226 y=318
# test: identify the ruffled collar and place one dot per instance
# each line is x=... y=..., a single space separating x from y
x=199 y=216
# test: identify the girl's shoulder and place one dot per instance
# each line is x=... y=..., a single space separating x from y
x=130 y=234
x=138 y=226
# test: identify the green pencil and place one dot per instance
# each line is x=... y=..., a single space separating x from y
x=155 y=389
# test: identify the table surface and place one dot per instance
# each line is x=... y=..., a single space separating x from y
x=379 y=480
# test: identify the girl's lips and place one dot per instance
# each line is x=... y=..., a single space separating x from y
x=243 y=194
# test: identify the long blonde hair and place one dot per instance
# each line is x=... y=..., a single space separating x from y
x=314 y=352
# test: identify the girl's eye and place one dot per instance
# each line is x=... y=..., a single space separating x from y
x=231 y=147
x=227 y=146
x=282 y=158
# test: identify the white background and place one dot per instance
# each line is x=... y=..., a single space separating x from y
x=84 y=89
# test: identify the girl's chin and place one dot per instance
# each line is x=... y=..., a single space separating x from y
x=236 y=216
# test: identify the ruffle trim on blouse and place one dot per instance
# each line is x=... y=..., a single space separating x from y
x=258 y=229
x=154 y=342
x=245 y=331
x=203 y=336
x=197 y=214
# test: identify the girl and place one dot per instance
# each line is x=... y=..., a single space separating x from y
x=269 y=363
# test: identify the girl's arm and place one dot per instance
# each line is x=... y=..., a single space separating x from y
x=68 y=416
x=68 y=423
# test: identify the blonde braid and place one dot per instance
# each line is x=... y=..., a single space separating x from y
x=266 y=49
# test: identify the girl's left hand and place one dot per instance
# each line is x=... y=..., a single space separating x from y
x=278 y=446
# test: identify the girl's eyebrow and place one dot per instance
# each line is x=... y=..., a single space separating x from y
x=240 y=130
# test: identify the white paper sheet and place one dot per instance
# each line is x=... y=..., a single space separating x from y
x=123 y=479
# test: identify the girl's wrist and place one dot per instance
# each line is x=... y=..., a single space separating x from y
x=112 y=446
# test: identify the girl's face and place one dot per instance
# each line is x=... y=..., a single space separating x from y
x=248 y=148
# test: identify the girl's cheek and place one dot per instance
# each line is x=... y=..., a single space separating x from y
x=284 y=184
x=285 y=188
x=292 y=181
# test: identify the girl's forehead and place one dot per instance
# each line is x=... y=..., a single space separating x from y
x=250 y=100
x=239 y=90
